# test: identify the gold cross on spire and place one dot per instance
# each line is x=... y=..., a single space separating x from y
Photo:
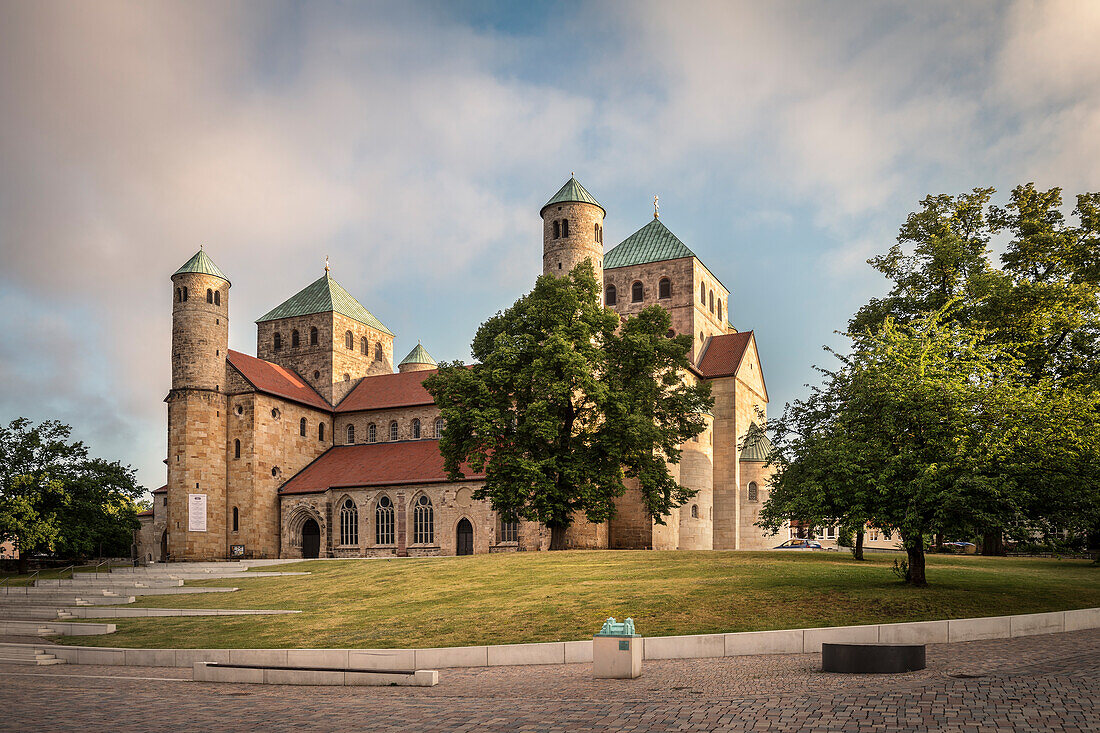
x=326 y=263
x=656 y=209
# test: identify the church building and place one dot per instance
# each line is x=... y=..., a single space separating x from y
x=317 y=447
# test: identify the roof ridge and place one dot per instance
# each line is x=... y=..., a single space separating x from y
x=201 y=263
x=324 y=295
x=573 y=192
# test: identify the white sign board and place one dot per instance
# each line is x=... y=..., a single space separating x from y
x=196 y=512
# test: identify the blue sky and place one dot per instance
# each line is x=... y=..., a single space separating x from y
x=415 y=143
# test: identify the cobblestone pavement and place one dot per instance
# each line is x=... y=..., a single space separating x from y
x=1049 y=683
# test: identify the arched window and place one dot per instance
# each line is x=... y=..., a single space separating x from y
x=719 y=309
x=179 y=295
x=209 y=295
x=596 y=232
x=393 y=430
x=694 y=511
x=423 y=522
x=664 y=288
x=711 y=301
x=295 y=341
x=313 y=336
x=320 y=431
x=383 y=521
x=565 y=227
x=557 y=229
x=349 y=523
x=636 y=292
x=278 y=341
x=378 y=351
x=610 y=298
x=302 y=427
x=185 y=293
x=416 y=428
x=236 y=519
x=237 y=448
x=364 y=347
x=702 y=294
x=372 y=433
x=351 y=434
x=347 y=377
x=754 y=493
x=439 y=425
x=349 y=341
x=217 y=297
x=509 y=531
x=702 y=338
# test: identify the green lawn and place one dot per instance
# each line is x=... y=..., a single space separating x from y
x=526 y=597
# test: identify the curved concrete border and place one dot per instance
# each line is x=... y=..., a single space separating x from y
x=785 y=641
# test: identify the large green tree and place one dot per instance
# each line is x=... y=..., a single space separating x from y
x=566 y=402
x=926 y=427
x=54 y=497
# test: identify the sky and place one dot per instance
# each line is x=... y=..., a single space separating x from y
x=414 y=143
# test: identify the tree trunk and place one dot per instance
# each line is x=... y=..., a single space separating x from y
x=993 y=543
x=24 y=563
x=857 y=551
x=939 y=541
x=557 y=536
x=915 y=551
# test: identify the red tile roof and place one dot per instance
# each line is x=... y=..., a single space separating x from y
x=146 y=513
x=161 y=490
x=372 y=464
x=384 y=391
x=723 y=354
x=276 y=380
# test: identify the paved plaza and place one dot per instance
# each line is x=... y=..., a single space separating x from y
x=1049 y=682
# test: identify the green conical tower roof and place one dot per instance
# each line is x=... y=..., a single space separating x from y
x=419 y=355
x=201 y=263
x=573 y=192
x=758 y=447
x=652 y=243
x=322 y=296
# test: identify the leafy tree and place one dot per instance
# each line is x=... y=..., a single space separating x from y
x=566 y=402
x=53 y=497
x=926 y=427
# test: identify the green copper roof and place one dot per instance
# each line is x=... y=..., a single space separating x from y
x=201 y=263
x=419 y=355
x=652 y=243
x=573 y=191
x=321 y=296
x=757 y=447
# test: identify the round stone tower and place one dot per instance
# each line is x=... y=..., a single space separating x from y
x=200 y=324
x=572 y=231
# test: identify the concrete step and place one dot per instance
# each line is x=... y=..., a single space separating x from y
x=26 y=613
x=63 y=599
x=24 y=654
x=109 y=583
x=53 y=628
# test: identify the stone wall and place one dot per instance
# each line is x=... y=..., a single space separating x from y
x=196 y=465
x=752 y=537
x=200 y=332
x=679 y=304
x=726 y=504
x=561 y=255
x=381 y=420
x=697 y=473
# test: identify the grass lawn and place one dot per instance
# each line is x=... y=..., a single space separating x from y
x=541 y=596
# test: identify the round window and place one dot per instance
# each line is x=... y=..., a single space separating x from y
x=317 y=375
x=275 y=471
x=275 y=413
x=384 y=501
x=423 y=501
x=240 y=410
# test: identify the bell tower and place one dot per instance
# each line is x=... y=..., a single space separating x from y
x=572 y=231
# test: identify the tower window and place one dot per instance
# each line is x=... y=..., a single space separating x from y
x=557 y=229
x=277 y=341
x=295 y=341
x=694 y=511
x=378 y=351
x=217 y=297
x=664 y=288
x=609 y=298
x=372 y=433
x=185 y=293
x=316 y=374
x=711 y=301
x=416 y=428
x=636 y=292
x=754 y=493
x=236 y=519
x=209 y=295
x=302 y=427
x=393 y=430
x=364 y=347
x=237 y=448
x=320 y=431
x=313 y=336
x=702 y=294
x=349 y=341
x=179 y=295
x=351 y=434
x=565 y=227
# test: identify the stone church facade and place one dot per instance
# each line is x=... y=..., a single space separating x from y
x=316 y=447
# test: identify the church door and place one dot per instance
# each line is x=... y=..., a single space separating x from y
x=164 y=546
x=311 y=539
x=465 y=537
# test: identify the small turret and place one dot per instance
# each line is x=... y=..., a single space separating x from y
x=572 y=231
x=200 y=324
x=418 y=360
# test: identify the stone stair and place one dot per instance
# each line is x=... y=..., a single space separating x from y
x=25 y=654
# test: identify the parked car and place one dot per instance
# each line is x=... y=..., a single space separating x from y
x=798 y=544
x=960 y=548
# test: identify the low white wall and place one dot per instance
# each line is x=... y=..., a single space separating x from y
x=785 y=641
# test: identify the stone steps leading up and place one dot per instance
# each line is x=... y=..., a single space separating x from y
x=62 y=599
x=53 y=628
x=24 y=654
